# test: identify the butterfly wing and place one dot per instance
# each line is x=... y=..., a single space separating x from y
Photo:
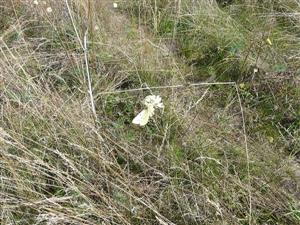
x=145 y=117
x=142 y=118
x=137 y=119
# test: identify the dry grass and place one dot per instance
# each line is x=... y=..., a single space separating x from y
x=61 y=165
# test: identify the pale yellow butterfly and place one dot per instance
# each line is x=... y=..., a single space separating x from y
x=143 y=117
x=151 y=102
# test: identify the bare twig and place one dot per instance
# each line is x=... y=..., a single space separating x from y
x=73 y=24
x=247 y=153
x=84 y=47
x=88 y=77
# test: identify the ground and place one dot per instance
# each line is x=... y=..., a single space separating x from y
x=223 y=150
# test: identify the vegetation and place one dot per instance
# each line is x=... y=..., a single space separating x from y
x=224 y=150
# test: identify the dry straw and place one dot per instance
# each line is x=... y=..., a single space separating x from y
x=233 y=84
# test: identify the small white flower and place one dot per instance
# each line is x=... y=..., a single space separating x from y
x=151 y=102
x=96 y=27
x=35 y=2
x=115 y=5
x=49 y=10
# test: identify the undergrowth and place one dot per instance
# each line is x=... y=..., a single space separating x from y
x=222 y=153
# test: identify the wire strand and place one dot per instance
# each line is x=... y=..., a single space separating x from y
x=168 y=86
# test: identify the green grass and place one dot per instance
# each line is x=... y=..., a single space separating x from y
x=59 y=164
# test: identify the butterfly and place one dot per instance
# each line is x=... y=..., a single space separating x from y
x=151 y=102
x=143 y=117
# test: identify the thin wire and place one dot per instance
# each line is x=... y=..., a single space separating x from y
x=163 y=87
